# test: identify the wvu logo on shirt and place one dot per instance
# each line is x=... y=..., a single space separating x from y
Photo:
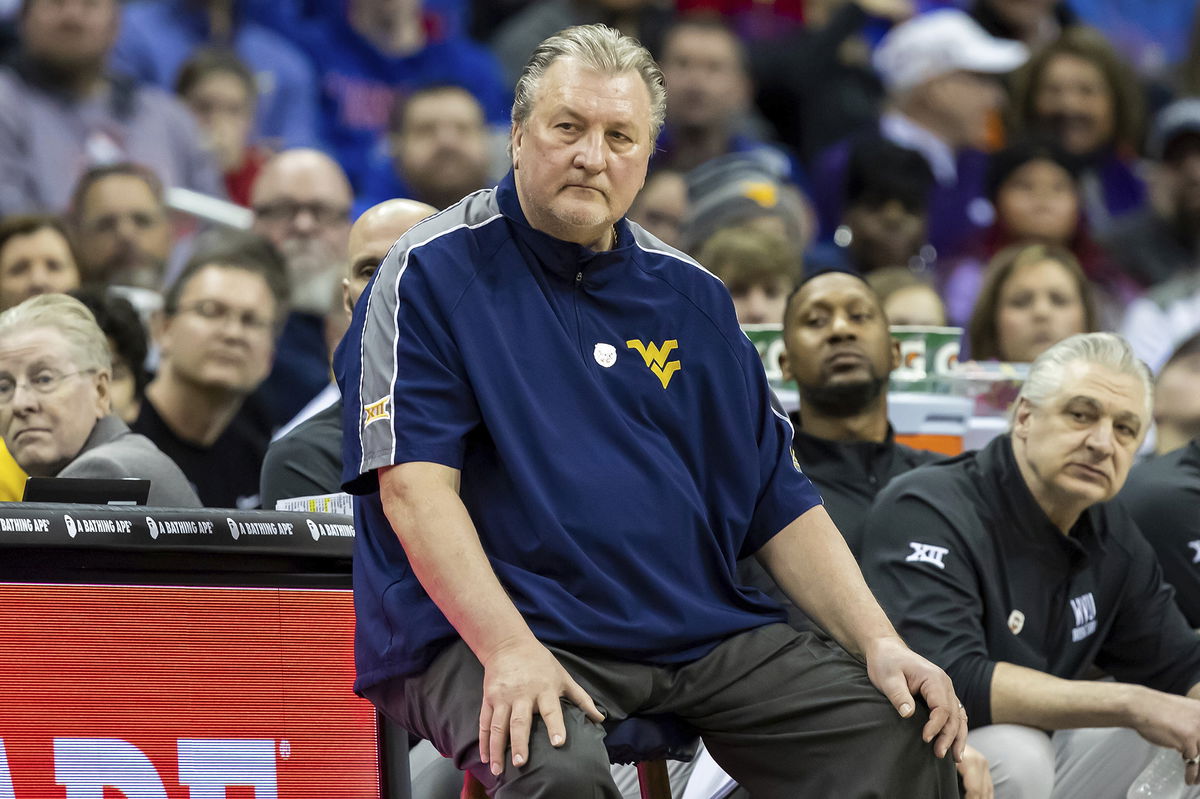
x=1084 y=608
x=656 y=358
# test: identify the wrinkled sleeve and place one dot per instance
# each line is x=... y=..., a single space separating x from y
x=408 y=397
x=786 y=492
x=926 y=579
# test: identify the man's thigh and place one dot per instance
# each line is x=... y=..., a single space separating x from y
x=1021 y=760
x=788 y=715
x=442 y=705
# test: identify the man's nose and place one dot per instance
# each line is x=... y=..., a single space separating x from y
x=840 y=326
x=304 y=221
x=590 y=154
x=24 y=398
x=1100 y=438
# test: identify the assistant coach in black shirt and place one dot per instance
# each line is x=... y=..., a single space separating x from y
x=838 y=349
x=1009 y=568
x=1163 y=496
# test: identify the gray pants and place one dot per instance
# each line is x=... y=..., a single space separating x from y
x=785 y=714
x=1090 y=763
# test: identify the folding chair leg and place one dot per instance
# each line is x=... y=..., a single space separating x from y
x=652 y=779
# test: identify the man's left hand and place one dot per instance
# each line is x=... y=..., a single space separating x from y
x=899 y=673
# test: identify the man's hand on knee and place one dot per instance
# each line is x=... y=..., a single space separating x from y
x=520 y=679
x=898 y=673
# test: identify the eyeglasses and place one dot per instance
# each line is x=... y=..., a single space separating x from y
x=44 y=382
x=286 y=211
x=217 y=311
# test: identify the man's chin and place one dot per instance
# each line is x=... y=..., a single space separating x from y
x=843 y=395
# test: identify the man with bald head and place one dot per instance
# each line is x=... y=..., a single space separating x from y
x=308 y=460
x=301 y=203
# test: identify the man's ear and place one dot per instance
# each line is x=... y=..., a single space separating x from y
x=785 y=372
x=103 y=394
x=895 y=352
x=514 y=137
x=349 y=306
x=1021 y=416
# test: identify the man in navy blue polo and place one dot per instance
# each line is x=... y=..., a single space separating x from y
x=561 y=444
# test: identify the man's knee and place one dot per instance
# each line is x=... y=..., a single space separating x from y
x=577 y=768
x=1021 y=760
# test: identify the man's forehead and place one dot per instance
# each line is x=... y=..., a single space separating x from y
x=571 y=84
x=39 y=345
x=301 y=177
x=217 y=281
x=1117 y=393
x=118 y=191
x=834 y=289
x=716 y=42
x=449 y=102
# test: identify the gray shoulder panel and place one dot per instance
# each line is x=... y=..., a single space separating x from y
x=377 y=348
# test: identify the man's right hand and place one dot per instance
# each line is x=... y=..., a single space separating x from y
x=521 y=678
x=1170 y=721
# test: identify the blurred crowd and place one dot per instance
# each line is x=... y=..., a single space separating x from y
x=191 y=169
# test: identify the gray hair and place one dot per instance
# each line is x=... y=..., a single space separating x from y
x=1101 y=349
x=70 y=317
x=598 y=47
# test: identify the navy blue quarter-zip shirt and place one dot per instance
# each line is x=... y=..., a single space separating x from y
x=618 y=443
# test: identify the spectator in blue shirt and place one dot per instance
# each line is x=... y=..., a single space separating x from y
x=377 y=55
x=158 y=36
x=437 y=150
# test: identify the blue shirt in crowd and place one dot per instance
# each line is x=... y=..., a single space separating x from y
x=158 y=36
x=361 y=86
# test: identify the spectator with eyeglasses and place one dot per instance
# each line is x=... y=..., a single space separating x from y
x=301 y=203
x=56 y=413
x=216 y=338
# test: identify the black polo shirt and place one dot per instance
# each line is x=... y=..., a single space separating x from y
x=1163 y=496
x=848 y=474
x=972 y=572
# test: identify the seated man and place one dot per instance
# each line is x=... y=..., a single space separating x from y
x=561 y=442
x=216 y=338
x=1010 y=568
x=1163 y=494
x=838 y=350
x=56 y=402
x=308 y=460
